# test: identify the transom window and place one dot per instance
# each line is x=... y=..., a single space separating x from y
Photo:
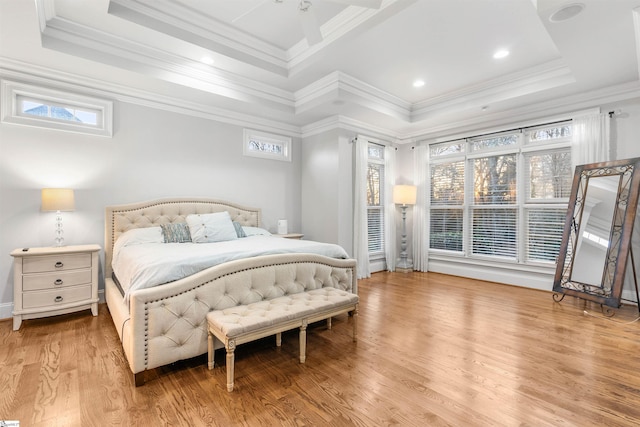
x=31 y=105
x=501 y=196
x=266 y=145
x=52 y=110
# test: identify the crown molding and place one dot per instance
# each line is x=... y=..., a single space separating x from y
x=346 y=123
x=77 y=39
x=543 y=77
x=180 y=21
x=61 y=80
x=564 y=106
x=340 y=85
x=299 y=56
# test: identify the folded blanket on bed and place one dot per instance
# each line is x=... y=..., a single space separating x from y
x=139 y=265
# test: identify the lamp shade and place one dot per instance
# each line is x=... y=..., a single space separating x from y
x=404 y=194
x=57 y=199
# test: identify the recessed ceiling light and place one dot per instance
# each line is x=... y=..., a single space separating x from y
x=566 y=12
x=501 y=54
x=207 y=60
x=418 y=83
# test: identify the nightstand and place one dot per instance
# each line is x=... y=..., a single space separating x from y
x=54 y=280
x=290 y=235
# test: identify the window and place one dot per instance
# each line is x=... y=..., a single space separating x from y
x=266 y=145
x=502 y=196
x=447 y=199
x=375 y=201
x=53 y=109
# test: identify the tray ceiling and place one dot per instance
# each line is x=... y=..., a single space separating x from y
x=364 y=67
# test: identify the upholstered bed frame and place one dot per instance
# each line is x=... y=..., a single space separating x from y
x=165 y=324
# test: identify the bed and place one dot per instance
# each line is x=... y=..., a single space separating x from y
x=166 y=323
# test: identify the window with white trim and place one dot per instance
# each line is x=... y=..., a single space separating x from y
x=501 y=196
x=375 y=201
x=31 y=105
x=266 y=145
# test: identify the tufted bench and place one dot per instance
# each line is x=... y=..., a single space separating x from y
x=245 y=323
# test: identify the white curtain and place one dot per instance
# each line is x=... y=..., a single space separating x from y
x=420 y=209
x=389 y=208
x=360 y=229
x=591 y=139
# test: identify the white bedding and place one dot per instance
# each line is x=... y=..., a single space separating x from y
x=139 y=265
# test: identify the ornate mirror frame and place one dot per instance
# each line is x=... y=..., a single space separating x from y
x=623 y=178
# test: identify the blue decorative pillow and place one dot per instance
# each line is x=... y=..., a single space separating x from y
x=176 y=233
x=239 y=231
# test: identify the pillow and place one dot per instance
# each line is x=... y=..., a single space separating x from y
x=213 y=227
x=138 y=236
x=239 y=231
x=176 y=233
x=255 y=231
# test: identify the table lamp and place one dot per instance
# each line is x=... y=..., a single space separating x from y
x=58 y=200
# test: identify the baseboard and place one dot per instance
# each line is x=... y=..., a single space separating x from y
x=508 y=274
x=6 y=309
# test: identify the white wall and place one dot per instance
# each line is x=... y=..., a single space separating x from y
x=625 y=133
x=152 y=154
x=327 y=186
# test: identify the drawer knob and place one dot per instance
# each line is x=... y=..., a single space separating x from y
x=58 y=299
x=58 y=282
x=59 y=264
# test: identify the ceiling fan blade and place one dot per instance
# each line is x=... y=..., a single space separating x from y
x=310 y=26
x=371 y=4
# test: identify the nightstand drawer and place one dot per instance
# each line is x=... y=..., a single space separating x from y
x=34 y=282
x=55 y=297
x=41 y=264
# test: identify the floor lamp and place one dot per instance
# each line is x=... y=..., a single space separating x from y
x=404 y=195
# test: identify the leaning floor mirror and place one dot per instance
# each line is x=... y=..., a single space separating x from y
x=596 y=244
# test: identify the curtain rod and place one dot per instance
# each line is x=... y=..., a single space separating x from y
x=374 y=143
x=505 y=130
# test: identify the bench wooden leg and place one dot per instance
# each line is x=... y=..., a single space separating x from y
x=328 y=322
x=303 y=341
x=279 y=339
x=231 y=348
x=210 y=351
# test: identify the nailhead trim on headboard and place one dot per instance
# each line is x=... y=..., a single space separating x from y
x=121 y=218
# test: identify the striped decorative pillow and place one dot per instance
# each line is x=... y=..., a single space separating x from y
x=176 y=233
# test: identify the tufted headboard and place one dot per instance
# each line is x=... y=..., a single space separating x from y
x=120 y=218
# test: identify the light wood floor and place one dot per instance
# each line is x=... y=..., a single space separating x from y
x=433 y=350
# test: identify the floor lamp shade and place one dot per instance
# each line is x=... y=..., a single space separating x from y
x=404 y=194
x=58 y=200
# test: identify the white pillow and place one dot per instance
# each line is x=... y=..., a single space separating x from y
x=255 y=231
x=214 y=227
x=138 y=236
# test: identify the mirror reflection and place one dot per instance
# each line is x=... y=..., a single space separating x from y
x=595 y=229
